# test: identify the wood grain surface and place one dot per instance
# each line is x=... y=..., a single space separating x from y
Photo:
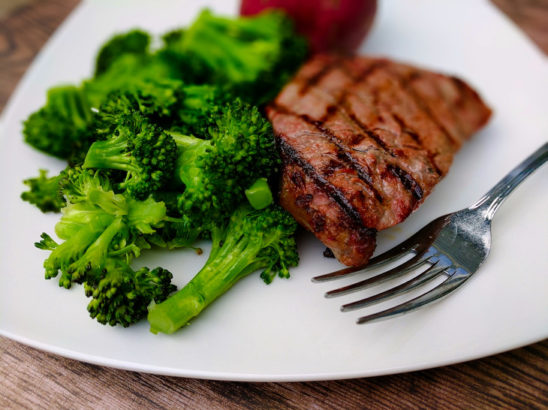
x=30 y=378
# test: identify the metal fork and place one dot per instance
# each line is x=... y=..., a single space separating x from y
x=453 y=246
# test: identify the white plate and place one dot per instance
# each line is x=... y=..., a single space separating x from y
x=288 y=331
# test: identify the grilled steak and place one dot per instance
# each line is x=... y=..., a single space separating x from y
x=364 y=141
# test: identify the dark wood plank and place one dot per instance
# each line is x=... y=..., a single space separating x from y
x=30 y=378
x=23 y=32
x=531 y=16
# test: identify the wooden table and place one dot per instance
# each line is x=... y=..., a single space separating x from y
x=32 y=378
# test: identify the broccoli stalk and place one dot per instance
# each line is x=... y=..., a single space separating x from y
x=252 y=240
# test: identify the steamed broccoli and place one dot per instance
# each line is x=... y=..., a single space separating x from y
x=134 y=42
x=60 y=128
x=124 y=72
x=164 y=148
x=216 y=171
x=45 y=192
x=253 y=240
x=121 y=295
x=165 y=102
x=102 y=231
x=143 y=151
x=157 y=99
x=97 y=224
x=254 y=56
x=176 y=232
x=199 y=106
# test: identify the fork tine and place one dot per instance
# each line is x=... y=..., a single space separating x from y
x=410 y=264
x=395 y=253
x=339 y=273
x=411 y=244
x=455 y=280
x=413 y=283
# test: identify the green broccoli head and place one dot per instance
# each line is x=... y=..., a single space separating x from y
x=188 y=109
x=253 y=56
x=216 y=171
x=143 y=151
x=253 y=240
x=60 y=127
x=45 y=192
x=120 y=295
x=80 y=184
x=199 y=106
x=134 y=42
x=125 y=72
x=158 y=100
x=97 y=225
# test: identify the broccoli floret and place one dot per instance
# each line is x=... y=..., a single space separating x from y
x=157 y=100
x=64 y=254
x=82 y=184
x=133 y=42
x=129 y=142
x=253 y=240
x=216 y=171
x=199 y=106
x=60 y=128
x=97 y=225
x=169 y=103
x=255 y=55
x=143 y=151
x=102 y=232
x=45 y=192
x=125 y=72
x=121 y=295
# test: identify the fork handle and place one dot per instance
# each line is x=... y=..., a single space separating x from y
x=492 y=200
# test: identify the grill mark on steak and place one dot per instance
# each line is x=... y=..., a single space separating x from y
x=407 y=180
x=423 y=106
x=413 y=134
x=462 y=87
x=291 y=155
x=372 y=134
x=342 y=151
x=332 y=109
x=369 y=70
x=344 y=154
x=316 y=78
x=454 y=117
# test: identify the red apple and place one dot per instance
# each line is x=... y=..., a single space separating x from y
x=329 y=25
